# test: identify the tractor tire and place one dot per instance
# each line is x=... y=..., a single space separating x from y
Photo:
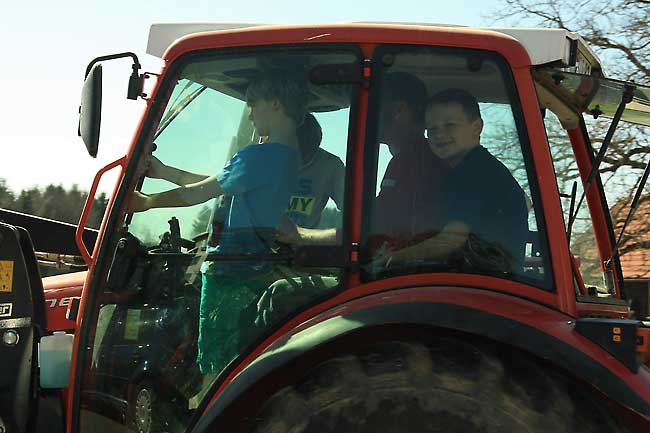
x=449 y=385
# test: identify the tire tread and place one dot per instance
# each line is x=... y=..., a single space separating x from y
x=447 y=385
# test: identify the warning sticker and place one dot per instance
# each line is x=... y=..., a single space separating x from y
x=6 y=275
x=5 y=311
x=301 y=204
x=132 y=325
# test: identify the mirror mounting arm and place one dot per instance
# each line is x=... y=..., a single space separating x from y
x=136 y=62
x=135 y=80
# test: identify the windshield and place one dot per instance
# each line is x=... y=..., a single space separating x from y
x=598 y=96
x=453 y=190
x=196 y=284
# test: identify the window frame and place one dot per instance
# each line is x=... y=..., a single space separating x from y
x=371 y=155
x=157 y=106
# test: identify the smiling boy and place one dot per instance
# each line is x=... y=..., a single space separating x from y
x=485 y=206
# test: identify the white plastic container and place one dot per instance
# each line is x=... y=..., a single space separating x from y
x=54 y=355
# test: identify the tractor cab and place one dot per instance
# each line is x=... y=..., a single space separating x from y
x=430 y=166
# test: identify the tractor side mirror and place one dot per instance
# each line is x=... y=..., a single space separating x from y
x=22 y=322
x=90 y=110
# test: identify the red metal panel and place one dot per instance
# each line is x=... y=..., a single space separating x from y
x=63 y=281
x=355 y=33
x=56 y=305
x=552 y=210
x=58 y=291
x=586 y=309
x=552 y=322
x=601 y=230
x=88 y=258
x=356 y=211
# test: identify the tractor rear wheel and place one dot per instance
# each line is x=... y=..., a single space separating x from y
x=448 y=385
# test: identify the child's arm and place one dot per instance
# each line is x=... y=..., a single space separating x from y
x=439 y=247
x=157 y=170
x=290 y=233
x=187 y=195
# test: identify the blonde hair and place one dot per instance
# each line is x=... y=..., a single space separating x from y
x=291 y=92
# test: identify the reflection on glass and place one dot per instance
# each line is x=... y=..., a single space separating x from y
x=451 y=192
x=194 y=287
x=599 y=96
x=620 y=171
x=583 y=242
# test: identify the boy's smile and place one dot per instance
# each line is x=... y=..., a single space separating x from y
x=450 y=133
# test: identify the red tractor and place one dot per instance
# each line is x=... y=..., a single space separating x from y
x=446 y=261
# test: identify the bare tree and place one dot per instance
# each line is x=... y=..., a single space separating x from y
x=618 y=31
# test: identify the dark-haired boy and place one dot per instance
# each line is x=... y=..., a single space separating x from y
x=408 y=205
x=407 y=208
x=485 y=206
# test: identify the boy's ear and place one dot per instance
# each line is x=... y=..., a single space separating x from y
x=477 y=127
x=276 y=104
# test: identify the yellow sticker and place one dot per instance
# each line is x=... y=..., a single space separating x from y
x=6 y=275
x=132 y=326
x=302 y=204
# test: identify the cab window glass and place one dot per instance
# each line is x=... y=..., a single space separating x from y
x=452 y=190
x=621 y=173
x=248 y=149
x=583 y=243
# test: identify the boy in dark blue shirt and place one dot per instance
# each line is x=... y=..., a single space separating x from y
x=486 y=213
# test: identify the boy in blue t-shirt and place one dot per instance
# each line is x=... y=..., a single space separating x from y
x=260 y=179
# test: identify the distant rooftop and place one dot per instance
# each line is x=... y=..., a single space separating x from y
x=635 y=250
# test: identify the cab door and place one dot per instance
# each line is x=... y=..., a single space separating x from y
x=167 y=271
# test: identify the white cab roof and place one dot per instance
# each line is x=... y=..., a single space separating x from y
x=163 y=35
x=543 y=45
x=550 y=45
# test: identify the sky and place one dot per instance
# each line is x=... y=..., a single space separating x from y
x=46 y=46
